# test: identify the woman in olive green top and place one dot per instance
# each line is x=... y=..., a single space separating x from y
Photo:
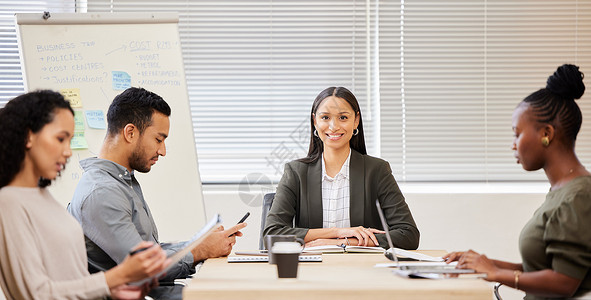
x=555 y=244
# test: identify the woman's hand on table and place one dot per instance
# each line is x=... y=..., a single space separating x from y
x=325 y=242
x=364 y=235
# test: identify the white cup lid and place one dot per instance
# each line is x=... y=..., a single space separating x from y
x=286 y=247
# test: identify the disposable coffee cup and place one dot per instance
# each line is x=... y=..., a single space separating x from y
x=270 y=240
x=286 y=256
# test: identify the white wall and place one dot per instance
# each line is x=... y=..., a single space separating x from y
x=484 y=217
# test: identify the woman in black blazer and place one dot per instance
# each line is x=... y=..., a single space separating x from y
x=337 y=157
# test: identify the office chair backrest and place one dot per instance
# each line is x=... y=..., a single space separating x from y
x=267 y=202
x=496 y=291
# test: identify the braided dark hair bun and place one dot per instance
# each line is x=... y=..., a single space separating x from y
x=566 y=82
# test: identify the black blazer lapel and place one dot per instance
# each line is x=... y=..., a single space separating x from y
x=314 y=183
x=356 y=189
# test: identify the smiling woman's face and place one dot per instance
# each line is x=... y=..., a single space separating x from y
x=335 y=120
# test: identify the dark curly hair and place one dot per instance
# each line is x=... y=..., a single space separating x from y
x=27 y=112
x=134 y=106
x=357 y=142
x=555 y=104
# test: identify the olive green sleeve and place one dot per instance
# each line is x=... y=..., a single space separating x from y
x=568 y=236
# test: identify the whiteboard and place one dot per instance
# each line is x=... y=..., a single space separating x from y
x=98 y=56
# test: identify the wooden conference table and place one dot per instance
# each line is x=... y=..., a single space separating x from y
x=339 y=276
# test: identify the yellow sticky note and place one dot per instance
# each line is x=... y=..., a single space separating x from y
x=78 y=120
x=73 y=96
x=78 y=141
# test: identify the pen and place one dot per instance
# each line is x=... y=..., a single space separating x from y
x=136 y=251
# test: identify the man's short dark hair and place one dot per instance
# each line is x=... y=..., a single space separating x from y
x=134 y=106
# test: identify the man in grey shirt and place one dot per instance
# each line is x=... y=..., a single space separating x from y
x=108 y=201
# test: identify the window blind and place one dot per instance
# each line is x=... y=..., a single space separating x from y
x=11 y=80
x=453 y=71
x=437 y=81
x=253 y=69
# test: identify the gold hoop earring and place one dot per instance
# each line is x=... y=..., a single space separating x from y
x=355 y=131
x=545 y=141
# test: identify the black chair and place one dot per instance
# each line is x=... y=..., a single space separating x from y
x=496 y=291
x=267 y=201
x=508 y=290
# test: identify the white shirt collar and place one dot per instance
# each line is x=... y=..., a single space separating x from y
x=344 y=172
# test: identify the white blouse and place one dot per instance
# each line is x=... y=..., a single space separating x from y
x=335 y=197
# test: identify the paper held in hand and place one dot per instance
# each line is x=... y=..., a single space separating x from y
x=189 y=245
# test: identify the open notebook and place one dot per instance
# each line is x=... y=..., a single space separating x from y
x=189 y=245
x=400 y=253
x=343 y=249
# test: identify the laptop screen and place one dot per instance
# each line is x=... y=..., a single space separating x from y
x=385 y=226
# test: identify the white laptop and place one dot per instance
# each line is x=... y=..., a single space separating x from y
x=418 y=269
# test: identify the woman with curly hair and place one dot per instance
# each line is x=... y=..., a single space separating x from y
x=42 y=251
